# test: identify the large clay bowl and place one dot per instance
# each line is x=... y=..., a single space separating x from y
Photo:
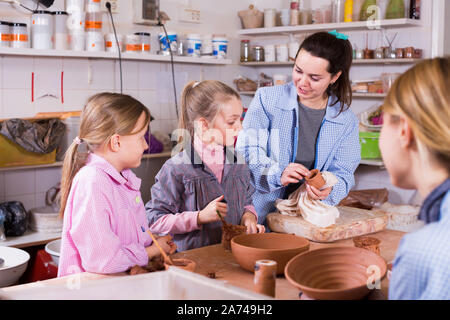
x=248 y=248
x=337 y=273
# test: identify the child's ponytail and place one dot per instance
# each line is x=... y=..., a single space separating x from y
x=74 y=160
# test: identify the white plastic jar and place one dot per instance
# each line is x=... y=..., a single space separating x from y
x=269 y=53
x=207 y=46
x=164 y=44
x=111 y=43
x=94 y=22
x=77 y=40
x=293 y=49
x=144 y=42
x=61 y=37
x=76 y=22
x=194 y=45
x=42 y=26
x=270 y=18
x=5 y=34
x=19 y=35
x=132 y=43
x=93 y=5
x=94 y=41
x=74 y=6
x=220 y=46
x=282 y=52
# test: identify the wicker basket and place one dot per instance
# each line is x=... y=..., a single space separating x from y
x=245 y=84
x=251 y=18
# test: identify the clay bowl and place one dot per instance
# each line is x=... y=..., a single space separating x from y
x=248 y=248
x=185 y=264
x=315 y=179
x=337 y=273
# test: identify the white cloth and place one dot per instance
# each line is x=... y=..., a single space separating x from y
x=313 y=211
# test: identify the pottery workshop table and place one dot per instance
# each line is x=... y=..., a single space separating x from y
x=222 y=263
x=216 y=259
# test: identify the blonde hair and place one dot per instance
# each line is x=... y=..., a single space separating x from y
x=422 y=95
x=104 y=115
x=202 y=100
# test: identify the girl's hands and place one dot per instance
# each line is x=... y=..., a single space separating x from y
x=293 y=173
x=209 y=213
x=316 y=194
x=249 y=220
x=165 y=242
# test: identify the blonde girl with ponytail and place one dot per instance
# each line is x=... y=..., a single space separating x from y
x=415 y=144
x=206 y=181
x=100 y=199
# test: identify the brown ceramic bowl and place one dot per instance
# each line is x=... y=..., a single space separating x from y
x=336 y=273
x=185 y=264
x=248 y=248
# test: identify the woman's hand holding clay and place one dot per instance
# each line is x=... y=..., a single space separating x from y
x=249 y=220
x=316 y=194
x=209 y=213
x=293 y=173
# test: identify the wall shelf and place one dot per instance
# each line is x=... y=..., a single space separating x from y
x=345 y=26
x=60 y=163
x=369 y=95
x=27 y=52
x=355 y=61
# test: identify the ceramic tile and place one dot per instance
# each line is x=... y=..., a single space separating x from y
x=17 y=103
x=101 y=75
x=16 y=73
x=130 y=72
x=47 y=178
x=28 y=200
x=75 y=74
x=19 y=182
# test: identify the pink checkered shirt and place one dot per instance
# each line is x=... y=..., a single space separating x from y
x=102 y=221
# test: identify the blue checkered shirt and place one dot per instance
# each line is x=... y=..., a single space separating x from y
x=269 y=138
x=421 y=269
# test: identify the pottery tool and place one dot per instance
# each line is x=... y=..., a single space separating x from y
x=221 y=218
x=166 y=257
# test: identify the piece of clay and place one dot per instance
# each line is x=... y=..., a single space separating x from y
x=211 y=275
x=315 y=179
x=185 y=264
x=368 y=243
x=229 y=231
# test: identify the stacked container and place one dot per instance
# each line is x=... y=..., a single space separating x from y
x=94 y=21
x=5 y=34
x=42 y=28
x=75 y=24
x=61 y=36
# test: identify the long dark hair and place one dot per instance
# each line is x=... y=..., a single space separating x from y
x=339 y=54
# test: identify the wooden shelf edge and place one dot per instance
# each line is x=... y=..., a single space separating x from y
x=166 y=154
x=28 y=52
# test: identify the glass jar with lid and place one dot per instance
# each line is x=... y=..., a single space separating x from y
x=258 y=54
x=245 y=51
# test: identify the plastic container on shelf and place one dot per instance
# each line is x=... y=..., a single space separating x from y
x=76 y=22
x=111 y=43
x=270 y=18
x=269 y=53
x=144 y=42
x=42 y=28
x=164 y=42
x=194 y=45
x=77 y=40
x=282 y=52
x=94 y=21
x=5 y=34
x=369 y=145
x=93 y=5
x=207 y=46
x=19 y=35
x=74 y=6
x=61 y=37
x=132 y=43
x=95 y=41
x=220 y=46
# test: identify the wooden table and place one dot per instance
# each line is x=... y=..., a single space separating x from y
x=216 y=259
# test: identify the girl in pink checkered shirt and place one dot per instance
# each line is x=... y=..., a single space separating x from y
x=101 y=202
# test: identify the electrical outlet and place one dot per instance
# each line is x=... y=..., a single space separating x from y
x=189 y=15
x=114 y=5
